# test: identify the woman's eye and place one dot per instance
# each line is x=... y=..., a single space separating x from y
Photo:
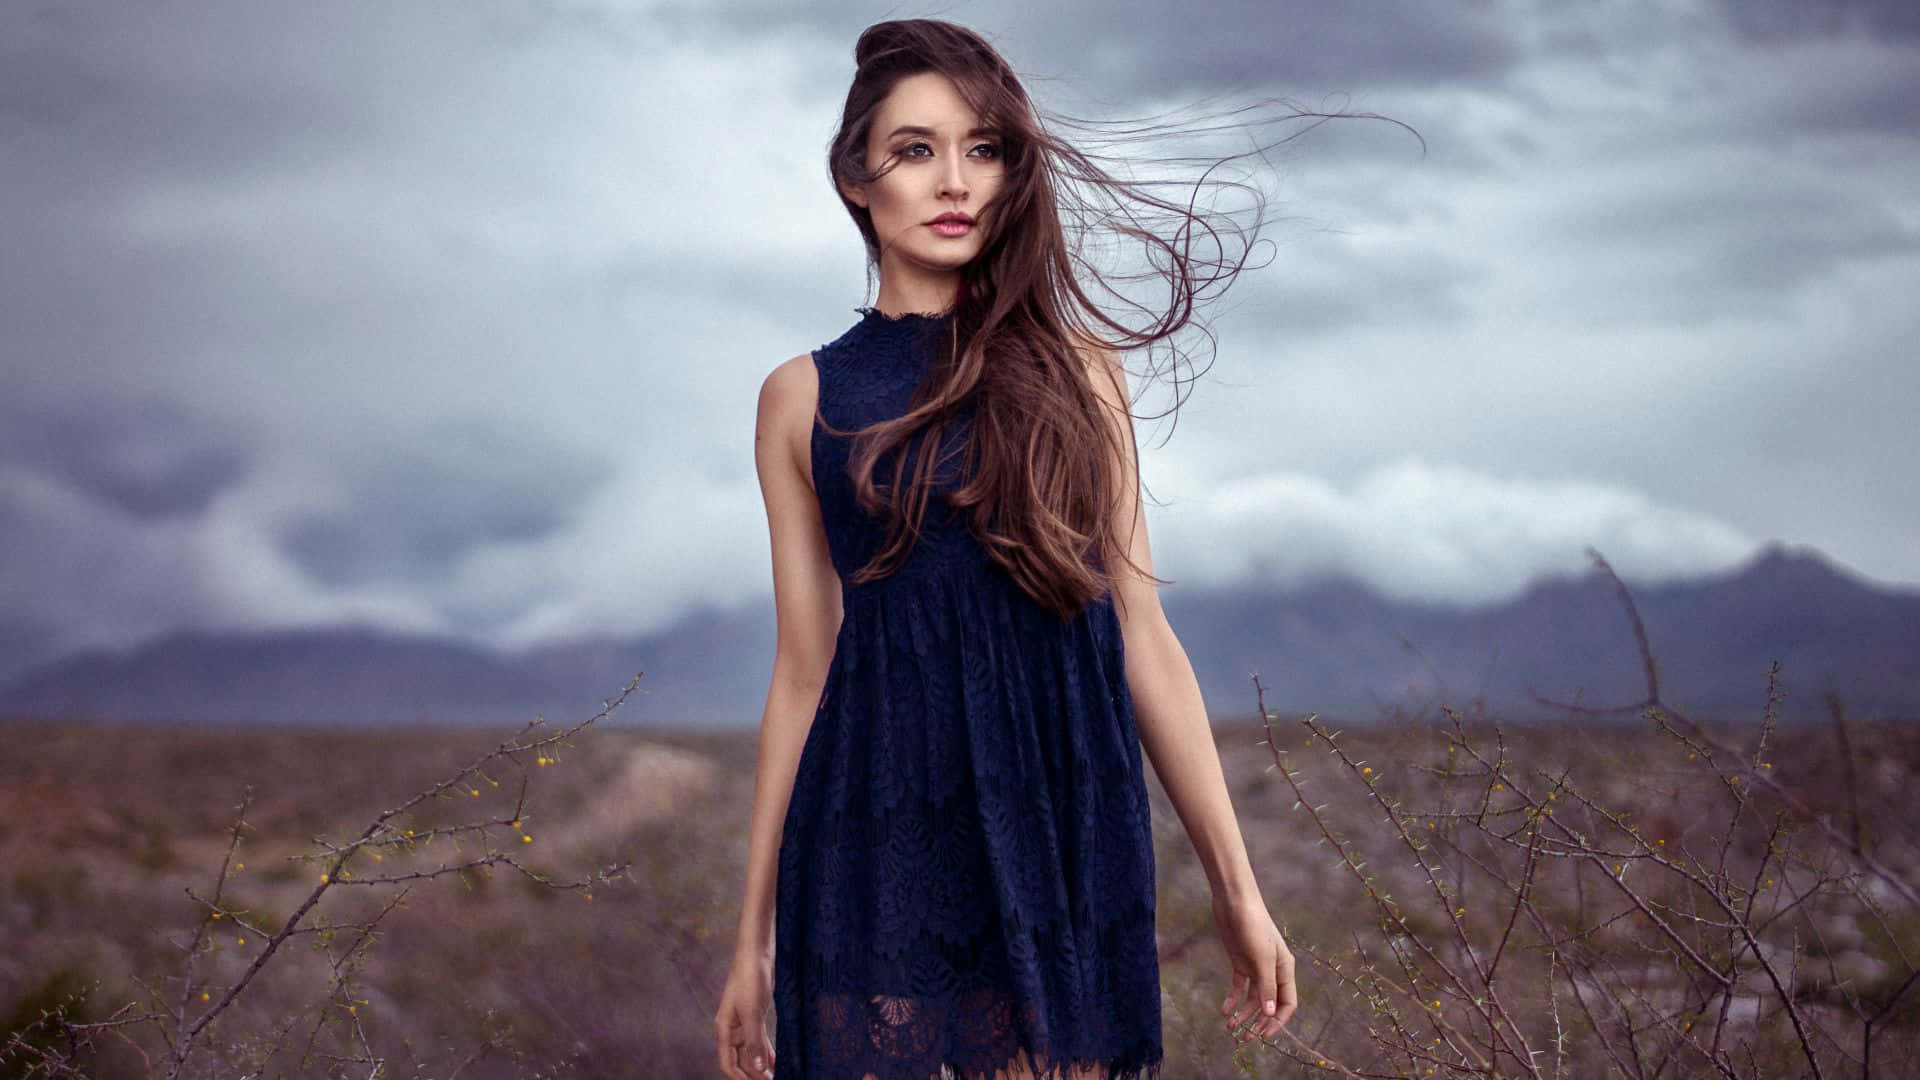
x=912 y=149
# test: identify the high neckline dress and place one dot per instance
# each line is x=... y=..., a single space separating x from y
x=966 y=868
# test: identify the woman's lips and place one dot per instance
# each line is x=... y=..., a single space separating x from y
x=951 y=228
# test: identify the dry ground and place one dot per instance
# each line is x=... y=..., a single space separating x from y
x=102 y=829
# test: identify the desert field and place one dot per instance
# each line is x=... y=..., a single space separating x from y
x=1751 y=915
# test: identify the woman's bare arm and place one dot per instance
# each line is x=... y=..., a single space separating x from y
x=1168 y=708
x=806 y=591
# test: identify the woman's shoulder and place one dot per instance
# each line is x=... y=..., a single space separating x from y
x=792 y=385
x=1104 y=367
x=784 y=420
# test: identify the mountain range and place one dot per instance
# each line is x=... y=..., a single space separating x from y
x=1333 y=646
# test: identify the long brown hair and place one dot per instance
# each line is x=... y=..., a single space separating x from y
x=1039 y=453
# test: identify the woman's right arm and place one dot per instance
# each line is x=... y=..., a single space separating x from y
x=806 y=593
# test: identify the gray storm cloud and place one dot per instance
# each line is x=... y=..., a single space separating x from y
x=452 y=319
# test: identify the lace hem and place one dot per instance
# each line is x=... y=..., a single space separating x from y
x=978 y=1034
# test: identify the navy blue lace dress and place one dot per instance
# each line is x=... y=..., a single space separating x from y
x=966 y=871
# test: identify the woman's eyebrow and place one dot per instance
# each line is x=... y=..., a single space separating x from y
x=915 y=129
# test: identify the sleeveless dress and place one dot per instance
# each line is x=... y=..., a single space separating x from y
x=966 y=867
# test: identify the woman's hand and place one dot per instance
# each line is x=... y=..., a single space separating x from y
x=1262 y=967
x=740 y=1027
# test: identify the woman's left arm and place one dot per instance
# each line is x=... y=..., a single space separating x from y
x=1172 y=718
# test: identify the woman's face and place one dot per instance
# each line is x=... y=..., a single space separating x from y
x=935 y=161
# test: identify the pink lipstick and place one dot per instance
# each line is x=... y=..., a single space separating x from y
x=951 y=224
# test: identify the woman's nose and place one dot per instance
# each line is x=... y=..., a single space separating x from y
x=952 y=183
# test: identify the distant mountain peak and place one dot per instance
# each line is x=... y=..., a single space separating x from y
x=1779 y=563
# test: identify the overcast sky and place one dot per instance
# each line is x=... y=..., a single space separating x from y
x=452 y=317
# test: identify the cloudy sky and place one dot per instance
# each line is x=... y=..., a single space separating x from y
x=452 y=317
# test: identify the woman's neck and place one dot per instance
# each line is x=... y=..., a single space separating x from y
x=928 y=295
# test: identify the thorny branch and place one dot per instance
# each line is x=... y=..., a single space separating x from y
x=182 y=1030
x=1699 y=924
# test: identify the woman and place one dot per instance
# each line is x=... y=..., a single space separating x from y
x=950 y=866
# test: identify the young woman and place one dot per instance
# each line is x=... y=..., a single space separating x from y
x=950 y=868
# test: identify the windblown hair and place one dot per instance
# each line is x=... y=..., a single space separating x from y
x=1022 y=349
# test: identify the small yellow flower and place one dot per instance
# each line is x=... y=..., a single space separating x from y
x=1460 y=911
x=409 y=832
x=1436 y=1003
x=1662 y=841
x=1616 y=867
x=204 y=996
x=1690 y=757
x=216 y=914
x=1766 y=764
x=475 y=792
x=525 y=839
x=1769 y=883
x=516 y=823
x=377 y=857
x=1366 y=769
x=239 y=941
x=239 y=866
x=588 y=895
x=323 y=878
